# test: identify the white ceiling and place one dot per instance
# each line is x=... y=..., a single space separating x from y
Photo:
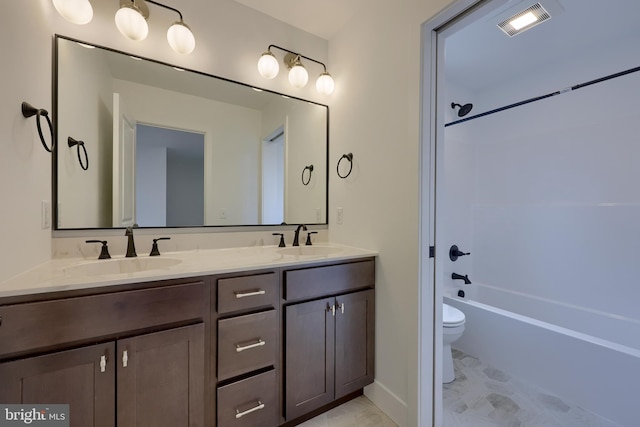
x=481 y=55
x=322 y=18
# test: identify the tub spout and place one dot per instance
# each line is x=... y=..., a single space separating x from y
x=456 y=276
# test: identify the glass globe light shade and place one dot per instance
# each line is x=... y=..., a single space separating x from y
x=76 y=11
x=181 y=38
x=298 y=76
x=131 y=23
x=268 y=65
x=325 y=84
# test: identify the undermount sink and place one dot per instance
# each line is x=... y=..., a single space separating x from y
x=120 y=265
x=309 y=251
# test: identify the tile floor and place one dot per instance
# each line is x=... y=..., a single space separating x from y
x=358 y=412
x=481 y=396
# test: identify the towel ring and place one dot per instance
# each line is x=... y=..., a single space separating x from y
x=29 y=110
x=310 y=168
x=349 y=157
x=79 y=144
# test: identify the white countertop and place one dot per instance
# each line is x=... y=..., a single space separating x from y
x=80 y=273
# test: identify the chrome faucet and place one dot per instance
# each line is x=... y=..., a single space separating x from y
x=131 y=246
x=296 y=236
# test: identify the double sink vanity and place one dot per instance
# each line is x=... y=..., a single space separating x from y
x=257 y=336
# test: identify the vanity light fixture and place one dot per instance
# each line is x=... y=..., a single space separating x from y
x=269 y=68
x=76 y=11
x=131 y=20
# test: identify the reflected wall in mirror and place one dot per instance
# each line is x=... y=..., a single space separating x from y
x=175 y=148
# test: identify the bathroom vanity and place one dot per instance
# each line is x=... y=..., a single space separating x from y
x=257 y=343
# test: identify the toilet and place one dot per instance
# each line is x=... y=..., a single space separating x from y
x=452 y=329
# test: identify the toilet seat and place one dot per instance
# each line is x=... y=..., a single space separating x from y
x=451 y=316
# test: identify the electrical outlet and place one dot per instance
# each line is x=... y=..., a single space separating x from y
x=339 y=215
x=45 y=214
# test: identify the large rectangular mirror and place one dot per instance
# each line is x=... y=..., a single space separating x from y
x=167 y=147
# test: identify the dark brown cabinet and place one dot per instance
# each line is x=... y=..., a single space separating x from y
x=252 y=348
x=84 y=378
x=157 y=380
x=328 y=350
x=161 y=379
x=148 y=370
x=247 y=350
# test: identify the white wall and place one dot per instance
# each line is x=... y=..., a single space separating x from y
x=375 y=114
x=86 y=77
x=302 y=149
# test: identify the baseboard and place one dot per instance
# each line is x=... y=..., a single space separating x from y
x=388 y=402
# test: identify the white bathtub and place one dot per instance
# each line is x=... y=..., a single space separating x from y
x=590 y=358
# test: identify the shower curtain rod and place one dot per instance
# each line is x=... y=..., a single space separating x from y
x=549 y=95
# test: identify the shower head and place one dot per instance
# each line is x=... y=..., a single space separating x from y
x=464 y=109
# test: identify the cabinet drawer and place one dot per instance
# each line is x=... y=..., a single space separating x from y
x=249 y=403
x=45 y=324
x=328 y=280
x=246 y=343
x=241 y=293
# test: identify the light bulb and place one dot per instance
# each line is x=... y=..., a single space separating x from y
x=181 y=38
x=298 y=76
x=325 y=84
x=131 y=23
x=268 y=65
x=77 y=11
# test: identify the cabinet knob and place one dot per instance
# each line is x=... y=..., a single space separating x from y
x=332 y=309
x=125 y=358
x=103 y=363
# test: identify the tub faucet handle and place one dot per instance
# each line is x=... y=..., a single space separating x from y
x=454 y=253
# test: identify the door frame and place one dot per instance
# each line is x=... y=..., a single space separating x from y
x=457 y=15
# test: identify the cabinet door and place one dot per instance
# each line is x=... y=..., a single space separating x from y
x=161 y=379
x=309 y=348
x=74 y=377
x=354 y=341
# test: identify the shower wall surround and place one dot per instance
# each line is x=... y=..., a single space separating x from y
x=545 y=196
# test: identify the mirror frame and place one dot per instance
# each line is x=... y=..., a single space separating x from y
x=242 y=227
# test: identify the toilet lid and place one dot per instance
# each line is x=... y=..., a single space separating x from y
x=451 y=316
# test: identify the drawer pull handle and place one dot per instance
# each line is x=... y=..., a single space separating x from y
x=103 y=363
x=240 y=348
x=250 y=293
x=125 y=358
x=248 y=411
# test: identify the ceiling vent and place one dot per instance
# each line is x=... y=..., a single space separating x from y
x=524 y=20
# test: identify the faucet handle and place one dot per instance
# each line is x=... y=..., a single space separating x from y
x=309 y=237
x=104 y=252
x=154 y=247
x=282 y=244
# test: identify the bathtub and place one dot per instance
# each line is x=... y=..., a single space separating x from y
x=587 y=357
